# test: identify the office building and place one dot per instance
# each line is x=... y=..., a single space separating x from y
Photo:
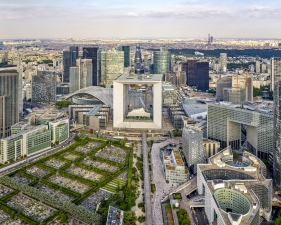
x=222 y=83
x=169 y=94
x=162 y=61
x=192 y=147
x=9 y=100
x=92 y=53
x=276 y=77
x=69 y=60
x=197 y=74
x=212 y=147
x=223 y=62
x=112 y=65
x=224 y=126
x=258 y=66
x=235 y=192
x=44 y=86
x=275 y=74
x=81 y=75
x=27 y=139
x=99 y=66
x=176 y=173
x=177 y=79
x=59 y=130
x=127 y=57
x=137 y=117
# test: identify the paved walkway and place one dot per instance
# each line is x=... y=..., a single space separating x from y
x=162 y=188
x=147 y=185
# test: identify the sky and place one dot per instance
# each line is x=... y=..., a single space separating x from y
x=143 y=18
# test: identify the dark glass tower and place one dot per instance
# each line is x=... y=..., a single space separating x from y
x=276 y=79
x=162 y=61
x=69 y=60
x=92 y=53
x=127 y=58
x=197 y=74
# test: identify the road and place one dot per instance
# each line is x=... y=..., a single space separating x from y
x=200 y=216
x=32 y=158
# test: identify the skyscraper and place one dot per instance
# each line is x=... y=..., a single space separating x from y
x=69 y=59
x=162 y=61
x=127 y=57
x=276 y=78
x=112 y=65
x=9 y=100
x=197 y=74
x=81 y=75
x=44 y=86
x=223 y=62
x=92 y=53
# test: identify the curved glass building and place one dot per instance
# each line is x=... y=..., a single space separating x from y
x=162 y=61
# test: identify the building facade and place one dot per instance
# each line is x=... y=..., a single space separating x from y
x=224 y=126
x=9 y=100
x=223 y=62
x=92 y=53
x=162 y=61
x=176 y=172
x=277 y=130
x=235 y=193
x=192 y=147
x=59 y=130
x=69 y=60
x=112 y=65
x=44 y=86
x=197 y=74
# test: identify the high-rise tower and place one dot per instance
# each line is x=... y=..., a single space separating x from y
x=162 y=61
x=92 y=53
x=276 y=85
x=69 y=60
x=9 y=100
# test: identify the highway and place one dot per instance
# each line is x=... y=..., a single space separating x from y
x=32 y=158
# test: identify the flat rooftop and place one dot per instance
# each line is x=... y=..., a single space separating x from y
x=139 y=78
x=178 y=157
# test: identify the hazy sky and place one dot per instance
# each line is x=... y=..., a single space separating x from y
x=142 y=18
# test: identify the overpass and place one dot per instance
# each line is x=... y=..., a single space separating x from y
x=186 y=188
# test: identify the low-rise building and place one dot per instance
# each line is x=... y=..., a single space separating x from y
x=176 y=172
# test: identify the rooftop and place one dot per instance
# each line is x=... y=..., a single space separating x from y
x=142 y=78
x=178 y=157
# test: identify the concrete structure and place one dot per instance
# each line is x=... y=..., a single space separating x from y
x=43 y=116
x=120 y=100
x=224 y=125
x=212 y=147
x=169 y=94
x=162 y=61
x=176 y=172
x=235 y=193
x=223 y=62
x=258 y=66
x=112 y=65
x=44 y=86
x=224 y=82
x=9 y=100
x=235 y=95
x=177 y=79
x=192 y=147
x=276 y=77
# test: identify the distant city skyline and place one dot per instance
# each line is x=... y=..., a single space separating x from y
x=128 y=19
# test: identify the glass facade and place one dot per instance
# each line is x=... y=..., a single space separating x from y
x=92 y=53
x=162 y=61
x=276 y=72
x=38 y=141
x=127 y=58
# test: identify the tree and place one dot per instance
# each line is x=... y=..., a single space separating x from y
x=63 y=103
x=63 y=218
x=278 y=219
x=130 y=218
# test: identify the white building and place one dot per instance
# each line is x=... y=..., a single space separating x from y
x=175 y=170
x=223 y=62
x=236 y=193
x=121 y=101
